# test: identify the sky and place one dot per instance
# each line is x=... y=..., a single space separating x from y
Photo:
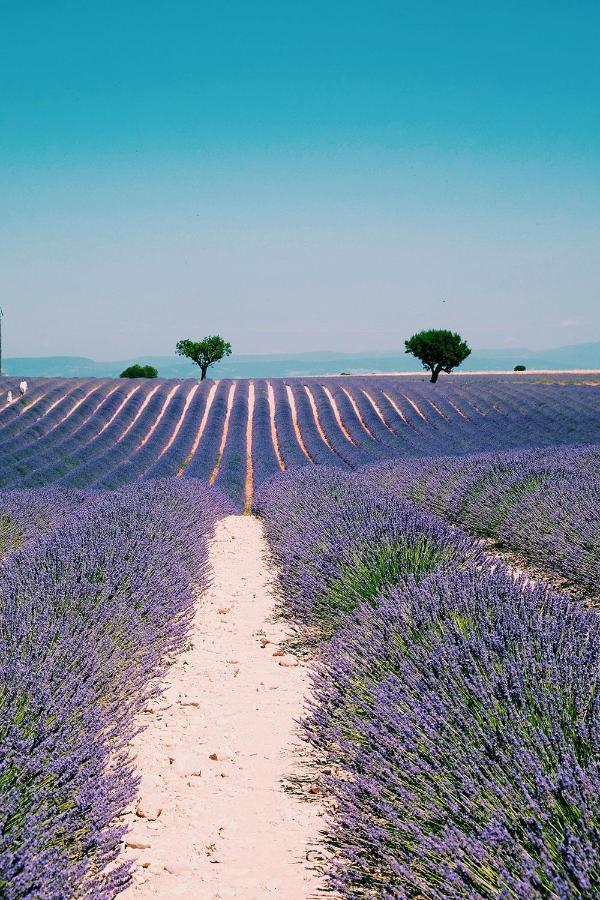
x=297 y=175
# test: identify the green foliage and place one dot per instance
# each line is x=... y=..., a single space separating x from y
x=373 y=569
x=137 y=371
x=10 y=534
x=520 y=368
x=438 y=349
x=205 y=352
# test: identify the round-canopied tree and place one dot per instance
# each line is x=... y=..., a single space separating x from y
x=137 y=371
x=205 y=352
x=438 y=349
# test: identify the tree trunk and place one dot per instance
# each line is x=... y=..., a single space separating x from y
x=203 y=370
x=434 y=375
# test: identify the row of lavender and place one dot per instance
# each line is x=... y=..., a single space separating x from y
x=456 y=709
x=25 y=515
x=543 y=504
x=109 y=433
x=96 y=589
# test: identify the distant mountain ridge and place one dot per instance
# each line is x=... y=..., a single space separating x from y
x=578 y=356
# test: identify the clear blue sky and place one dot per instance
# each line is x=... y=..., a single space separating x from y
x=297 y=174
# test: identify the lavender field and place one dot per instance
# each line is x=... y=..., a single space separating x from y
x=237 y=434
x=454 y=712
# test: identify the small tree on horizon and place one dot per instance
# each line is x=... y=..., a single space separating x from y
x=438 y=349
x=137 y=371
x=204 y=353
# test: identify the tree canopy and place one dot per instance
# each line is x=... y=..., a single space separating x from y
x=137 y=371
x=205 y=352
x=438 y=349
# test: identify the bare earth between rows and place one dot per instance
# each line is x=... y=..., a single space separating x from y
x=212 y=819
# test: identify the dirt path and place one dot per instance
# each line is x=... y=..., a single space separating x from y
x=217 y=745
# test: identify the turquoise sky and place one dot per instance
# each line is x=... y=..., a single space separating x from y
x=297 y=175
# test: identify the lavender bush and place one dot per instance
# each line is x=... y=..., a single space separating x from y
x=457 y=707
x=88 y=613
x=291 y=451
x=464 y=714
x=231 y=477
x=204 y=460
x=336 y=542
x=25 y=515
x=264 y=457
x=541 y=503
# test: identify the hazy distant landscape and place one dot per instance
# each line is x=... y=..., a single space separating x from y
x=578 y=356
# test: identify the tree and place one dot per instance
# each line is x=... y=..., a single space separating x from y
x=137 y=371
x=438 y=349
x=520 y=368
x=205 y=352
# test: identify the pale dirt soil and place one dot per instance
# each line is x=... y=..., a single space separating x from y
x=226 y=827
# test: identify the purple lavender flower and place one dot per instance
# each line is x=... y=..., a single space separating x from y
x=89 y=611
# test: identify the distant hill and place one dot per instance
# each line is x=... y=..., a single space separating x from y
x=578 y=356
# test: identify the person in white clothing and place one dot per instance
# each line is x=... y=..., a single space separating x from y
x=23 y=387
x=9 y=396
